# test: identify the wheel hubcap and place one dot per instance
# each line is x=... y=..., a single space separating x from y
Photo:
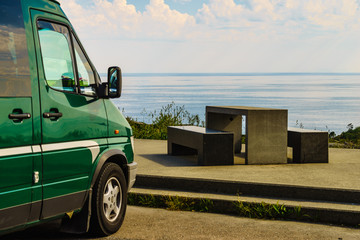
x=112 y=199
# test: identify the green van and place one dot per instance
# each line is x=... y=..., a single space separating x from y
x=65 y=150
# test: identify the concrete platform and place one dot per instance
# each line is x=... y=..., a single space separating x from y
x=342 y=171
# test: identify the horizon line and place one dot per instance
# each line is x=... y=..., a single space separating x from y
x=160 y=74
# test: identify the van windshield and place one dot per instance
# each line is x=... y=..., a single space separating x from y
x=56 y=56
x=58 y=61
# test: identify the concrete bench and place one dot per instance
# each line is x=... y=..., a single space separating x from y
x=309 y=146
x=212 y=147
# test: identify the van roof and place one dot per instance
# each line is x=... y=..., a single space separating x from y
x=54 y=1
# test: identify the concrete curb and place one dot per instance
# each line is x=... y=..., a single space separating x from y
x=248 y=188
x=308 y=214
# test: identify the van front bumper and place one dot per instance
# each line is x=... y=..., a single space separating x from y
x=132 y=168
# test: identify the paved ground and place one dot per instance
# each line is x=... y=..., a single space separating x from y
x=147 y=223
x=342 y=171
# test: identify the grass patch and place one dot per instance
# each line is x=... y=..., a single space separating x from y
x=269 y=211
x=243 y=209
x=174 y=203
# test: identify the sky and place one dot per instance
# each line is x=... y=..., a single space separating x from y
x=219 y=36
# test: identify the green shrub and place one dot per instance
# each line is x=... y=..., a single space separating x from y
x=348 y=139
x=169 y=115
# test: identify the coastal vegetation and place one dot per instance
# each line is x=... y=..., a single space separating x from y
x=173 y=115
x=169 y=115
x=347 y=139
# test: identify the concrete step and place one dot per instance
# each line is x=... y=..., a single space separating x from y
x=234 y=188
x=313 y=211
x=325 y=205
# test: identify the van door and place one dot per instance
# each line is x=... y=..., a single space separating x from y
x=74 y=123
x=16 y=160
x=16 y=119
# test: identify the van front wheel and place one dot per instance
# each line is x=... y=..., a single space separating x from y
x=109 y=200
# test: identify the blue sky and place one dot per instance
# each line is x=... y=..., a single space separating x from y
x=219 y=35
x=182 y=6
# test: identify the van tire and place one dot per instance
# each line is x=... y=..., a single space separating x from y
x=109 y=200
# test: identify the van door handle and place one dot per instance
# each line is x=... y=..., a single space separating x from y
x=52 y=115
x=19 y=116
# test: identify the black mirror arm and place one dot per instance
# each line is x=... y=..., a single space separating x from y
x=103 y=90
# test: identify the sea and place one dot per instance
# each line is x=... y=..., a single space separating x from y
x=321 y=101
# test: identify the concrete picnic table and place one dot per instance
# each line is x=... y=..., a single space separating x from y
x=266 y=131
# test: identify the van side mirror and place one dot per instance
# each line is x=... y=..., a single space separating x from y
x=114 y=82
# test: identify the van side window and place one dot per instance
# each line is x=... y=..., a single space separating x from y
x=14 y=57
x=86 y=74
x=55 y=48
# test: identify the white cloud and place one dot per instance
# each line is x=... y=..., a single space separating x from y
x=122 y=20
x=159 y=17
x=335 y=14
x=269 y=35
x=256 y=17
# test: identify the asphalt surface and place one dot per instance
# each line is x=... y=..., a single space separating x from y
x=148 y=223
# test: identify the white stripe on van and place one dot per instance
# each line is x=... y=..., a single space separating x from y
x=36 y=149
x=91 y=145
x=15 y=151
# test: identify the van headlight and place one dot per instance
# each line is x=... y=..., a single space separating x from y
x=132 y=143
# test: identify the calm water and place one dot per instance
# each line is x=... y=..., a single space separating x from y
x=317 y=101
